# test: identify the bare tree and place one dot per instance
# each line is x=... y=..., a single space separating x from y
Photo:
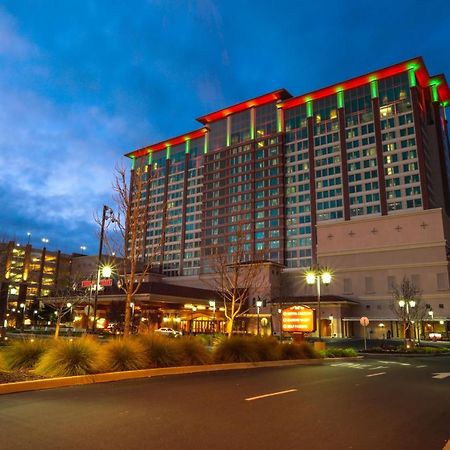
x=128 y=237
x=408 y=306
x=63 y=300
x=234 y=275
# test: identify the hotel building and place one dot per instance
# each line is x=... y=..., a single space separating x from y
x=355 y=176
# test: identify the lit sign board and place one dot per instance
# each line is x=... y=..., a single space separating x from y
x=298 y=319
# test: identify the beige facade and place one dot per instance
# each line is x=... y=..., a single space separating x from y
x=369 y=256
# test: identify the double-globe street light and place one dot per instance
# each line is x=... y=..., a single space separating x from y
x=405 y=306
x=318 y=275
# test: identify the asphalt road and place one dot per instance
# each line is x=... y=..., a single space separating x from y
x=375 y=403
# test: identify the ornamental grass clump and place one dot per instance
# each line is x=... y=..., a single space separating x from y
x=338 y=352
x=123 y=354
x=266 y=348
x=24 y=354
x=161 y=351
x=292 y=351
x=193 y=351
x=235 y=349
x=69 y=357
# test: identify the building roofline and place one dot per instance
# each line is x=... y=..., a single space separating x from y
x=417 y=63
x=279 y=94
x=167 y=143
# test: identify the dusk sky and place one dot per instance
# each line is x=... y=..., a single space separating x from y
x=83 y=82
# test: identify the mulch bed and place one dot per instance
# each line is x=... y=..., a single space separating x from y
x=18 y=375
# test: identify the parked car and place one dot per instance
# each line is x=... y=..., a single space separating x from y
x=435 y=336
x=170 y=332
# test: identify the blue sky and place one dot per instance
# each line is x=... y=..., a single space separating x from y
x=83 y=82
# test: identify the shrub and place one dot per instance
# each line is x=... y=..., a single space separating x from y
x=123 y=354
x=66 y=358
x=192 y=351
x=160 y=351
x=24 y=354
x=235 y=349
x=298 y=351
x=266 y=348
x=338 y=352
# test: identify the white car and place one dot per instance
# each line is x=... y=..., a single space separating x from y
x=169 y=332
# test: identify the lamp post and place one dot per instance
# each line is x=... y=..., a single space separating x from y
x=194 y=308
x=107 y=215
x=405 y=305
x=132 y=316
x=280 y=318
x=258 y=305
x=318 y=275
x=212 y=304
x=23 y=306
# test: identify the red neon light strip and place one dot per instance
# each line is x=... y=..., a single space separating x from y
x=421 y=73
x=280 y=94
x=169 y=143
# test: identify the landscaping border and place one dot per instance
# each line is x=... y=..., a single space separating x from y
x=52 y=383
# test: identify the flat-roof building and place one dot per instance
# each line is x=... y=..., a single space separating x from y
x=291 y=175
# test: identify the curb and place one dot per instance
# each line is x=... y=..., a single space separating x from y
x=52 y=383
x=407 y=355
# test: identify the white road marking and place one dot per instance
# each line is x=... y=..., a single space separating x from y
x=420 y=367
x=376 y=374
x=378 y=367
x=441 y=375
x=351 y=365
x=270 y=395
x=394 y=362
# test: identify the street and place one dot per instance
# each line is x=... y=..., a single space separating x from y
x=378 y=402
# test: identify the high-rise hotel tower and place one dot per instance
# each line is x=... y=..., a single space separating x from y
x=280 y=169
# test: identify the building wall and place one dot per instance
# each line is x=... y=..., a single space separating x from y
x=368 y=256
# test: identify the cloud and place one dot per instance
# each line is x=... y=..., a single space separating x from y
x=12 y=44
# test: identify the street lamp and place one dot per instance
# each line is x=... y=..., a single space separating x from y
x=259 y=303
x=318 y=275
x=212 y=304
x=132 y=316
x=194 y=308
x=45 y=240
x=406 y=305
x=22 y=306
x=82 y=248
x=107 y=215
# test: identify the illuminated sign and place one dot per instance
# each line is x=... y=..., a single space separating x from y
x=298 y=319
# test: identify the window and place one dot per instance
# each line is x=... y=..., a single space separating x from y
x=415 y=280
x=391 y=283
x=369 y=285
x=442 y=281
x=347 y=285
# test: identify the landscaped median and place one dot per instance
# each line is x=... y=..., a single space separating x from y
x=45 y=365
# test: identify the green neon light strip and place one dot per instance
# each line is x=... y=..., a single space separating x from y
x=252 y=123
x=412 y=78
x=150 y=157
x=133 y=162
x=340 y=99
x=228 y=131
x=187 y=146
x=168 y=152
x=374 y=89
x=205 y=148
x=279 y=120
x=309 y=108
x=434 y=92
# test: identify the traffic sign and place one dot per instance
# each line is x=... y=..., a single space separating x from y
x=364 y=321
